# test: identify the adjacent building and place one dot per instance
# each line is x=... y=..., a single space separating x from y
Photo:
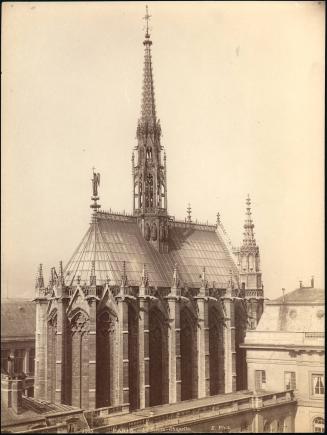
x=18 y=334
x=286 y=352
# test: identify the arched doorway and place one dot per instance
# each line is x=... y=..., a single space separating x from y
x=216 y=352
x=188 y=342
x=133 y=358
x=158 y=352
x=105 y=342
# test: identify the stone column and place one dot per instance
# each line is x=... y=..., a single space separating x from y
x=41 y=348
x=174 y=345
x=17 y=390
x=26 y=368
x=203 y=347
x=229 y=345
x=60 y=351
x=144 y=360
x=92 y=348
x=123 y=368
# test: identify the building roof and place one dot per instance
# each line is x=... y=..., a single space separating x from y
x=301 y=310
x=114 y=239
x=17 y=319
x=306 y=295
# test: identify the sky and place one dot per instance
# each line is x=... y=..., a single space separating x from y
x=239 y=92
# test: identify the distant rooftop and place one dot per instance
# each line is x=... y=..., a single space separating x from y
x=301 y=295
x=17 y=319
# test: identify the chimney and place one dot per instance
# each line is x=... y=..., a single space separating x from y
x=300 y=284
x=283 y=290
x=312 y=282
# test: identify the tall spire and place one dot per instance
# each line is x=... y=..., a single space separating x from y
x=148 y=171
x=248 y=239
x=148 y=109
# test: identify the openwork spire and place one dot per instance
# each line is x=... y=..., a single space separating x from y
x=148 y=109
x=248 y=239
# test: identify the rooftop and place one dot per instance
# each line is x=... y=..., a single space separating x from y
x=13 y=310
x=305 y=295
x=113 y=240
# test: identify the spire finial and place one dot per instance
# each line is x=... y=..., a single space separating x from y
x=124 y=276
x=93 y=276
x=40 y=279
x=189 y=213
x=218 y=218
x=144 y=277
x=147 y=18
x=95 y=183
x=61 y=273
x=175 y=277
x=249 y=239
x=283 y=291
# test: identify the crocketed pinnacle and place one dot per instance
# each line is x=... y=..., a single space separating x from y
x=249 y=239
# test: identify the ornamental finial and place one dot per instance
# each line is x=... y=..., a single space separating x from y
x=248 y=239
x=124 y=276
x=147 y=18
x=189 y=213
x=95 y=183
x=144 y=277
x=175 y=277
x=40 y=279
x=93 y=278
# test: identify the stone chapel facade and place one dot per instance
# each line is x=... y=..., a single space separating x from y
x=149 y=309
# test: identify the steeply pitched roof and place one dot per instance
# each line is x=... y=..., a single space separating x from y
x=301 y=295
x=17 y=318
x=114 y=239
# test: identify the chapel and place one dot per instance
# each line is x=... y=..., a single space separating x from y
x=149 y=309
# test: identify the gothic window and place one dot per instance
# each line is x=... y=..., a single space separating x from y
x=251 y=262
x=79 y=323
x=162 y=232
x=244 y=263
x=154 y=232
x=149 y=191
x=149 y=153
x=318 y=384
x=147 y=232
x=318 y=424
x=106 y=324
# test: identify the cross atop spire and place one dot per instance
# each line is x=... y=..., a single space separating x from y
x=147 y=18
x=249 y=239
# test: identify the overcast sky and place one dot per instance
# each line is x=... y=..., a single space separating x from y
x=240 y=95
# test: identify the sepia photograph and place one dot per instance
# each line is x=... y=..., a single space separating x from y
x=162 y=197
